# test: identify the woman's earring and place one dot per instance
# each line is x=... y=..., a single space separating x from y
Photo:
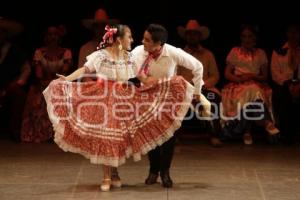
x=120 y=47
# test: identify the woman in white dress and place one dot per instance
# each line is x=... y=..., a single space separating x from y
x=247 y=70
x=104 y=120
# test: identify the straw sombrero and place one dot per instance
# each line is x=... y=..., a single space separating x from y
x=100 y=17
x=12 y=28
x=193 y=25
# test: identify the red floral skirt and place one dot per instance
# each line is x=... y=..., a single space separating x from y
x=107 y=122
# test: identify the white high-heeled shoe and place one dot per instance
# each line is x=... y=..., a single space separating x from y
x=271 y=129
x=247 y=139
x=106 y=183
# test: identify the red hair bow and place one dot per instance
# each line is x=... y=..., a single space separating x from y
x=108 y=36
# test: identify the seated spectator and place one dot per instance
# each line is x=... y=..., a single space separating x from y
x=247 y=72
x=15 y=70
x=48 y=60
x=96 y=26
x=194 y=35
x=285 y=69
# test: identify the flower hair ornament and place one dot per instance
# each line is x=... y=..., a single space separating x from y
x=108 y=36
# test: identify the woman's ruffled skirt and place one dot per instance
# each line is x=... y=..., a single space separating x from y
x=108 y=122
x=235 y=96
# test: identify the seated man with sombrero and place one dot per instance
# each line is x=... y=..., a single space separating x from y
x=194 y=34
x=96 y=26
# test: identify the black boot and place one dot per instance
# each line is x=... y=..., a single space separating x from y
x=166 y=179
x=151 y=179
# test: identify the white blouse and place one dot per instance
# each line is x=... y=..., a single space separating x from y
x=280 y=67
x=246 y=62
x=106 y=67
x=52 y=65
